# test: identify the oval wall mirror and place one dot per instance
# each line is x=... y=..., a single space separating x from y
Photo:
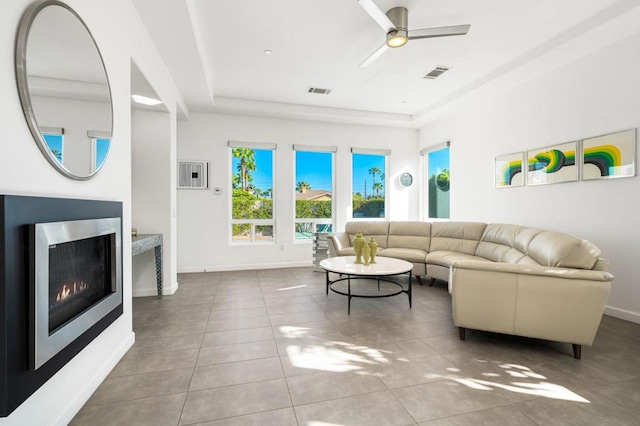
x=64 y=89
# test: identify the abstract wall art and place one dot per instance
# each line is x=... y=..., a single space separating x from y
x=552 y=164
x=609 y=156
x=508 y=170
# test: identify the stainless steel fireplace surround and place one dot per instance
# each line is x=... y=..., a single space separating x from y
x=48 y=339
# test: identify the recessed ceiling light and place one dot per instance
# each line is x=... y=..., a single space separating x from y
x=404 y=102
x=268 y=52
x=145 y=100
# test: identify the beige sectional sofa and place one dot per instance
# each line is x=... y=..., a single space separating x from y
x=502 y=278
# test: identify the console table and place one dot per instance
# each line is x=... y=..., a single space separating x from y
x=144 y=242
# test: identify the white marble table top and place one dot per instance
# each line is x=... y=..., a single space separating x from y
x=383 y=266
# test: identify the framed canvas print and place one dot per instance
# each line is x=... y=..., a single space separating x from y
x=552 y=164
x=609 y=156
x=508 y=170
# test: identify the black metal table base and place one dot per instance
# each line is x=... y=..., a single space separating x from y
x=385 y=278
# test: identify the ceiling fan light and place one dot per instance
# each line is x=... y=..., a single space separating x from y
x=397 y=38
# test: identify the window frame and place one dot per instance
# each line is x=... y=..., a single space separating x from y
x=315 y=221
x=54 y=131
x=424 y=152
x=252 y=222
x=386 y=153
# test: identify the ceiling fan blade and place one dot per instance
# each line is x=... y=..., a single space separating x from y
x=378 y=15
x=439 y=32
x=374 y=55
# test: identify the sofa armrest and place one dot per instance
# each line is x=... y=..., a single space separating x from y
x=558 y=304
x=543 y=271
x=336 y=242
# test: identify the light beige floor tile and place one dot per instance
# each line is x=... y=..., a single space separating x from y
x=150 y=344
x=238 y=304
x=139 y=386
x=180 y=315
x=373 y=409
x=220 y=338
x=491 y=417
x=374 y=336
x=234 y=314
x=444 y=399
x=160 y=361
x=235 y=373
x=179 y=329
x=308 y=329
x=252 y=295
x=319 y=387
x=156 y=411
x=238 y=324
x=625 y=394
x=419 y=316
x=237 y=352
x=289 y=301
x=214 y=404
x=431 y=329
x=282 y=417
x=399 y=373
x=299 y=318
x=591 y=409
x=293 y=308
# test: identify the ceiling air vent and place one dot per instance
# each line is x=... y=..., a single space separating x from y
x=436 y=72
x=319 y=90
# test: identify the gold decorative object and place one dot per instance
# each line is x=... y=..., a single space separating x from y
x=366 y=253
x=134 y=232
x=358 y=244
x=374 y=249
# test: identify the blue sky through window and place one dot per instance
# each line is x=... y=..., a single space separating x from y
x=263 y=174
x=438 y=161
x=361 y=164
x=102 y=146
x=315 y=169
x=54 y=142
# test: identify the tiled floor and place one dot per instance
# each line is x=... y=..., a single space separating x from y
x=270 y=348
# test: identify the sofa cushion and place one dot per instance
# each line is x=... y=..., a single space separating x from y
x=555 y=249
x=408 y=254
x=505 y=243
x=460 y=237
x=445 y=257
x=379 y=230
x=411 y=235
x=347 y=251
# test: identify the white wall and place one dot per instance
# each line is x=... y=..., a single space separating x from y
x=24 y=171
x=76 y=118
x=154 y=197
x=203 y=218
x=596 y=94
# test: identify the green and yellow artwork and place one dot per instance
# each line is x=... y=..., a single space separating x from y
x=508 y=171
x=553 y=164
x=609 y=156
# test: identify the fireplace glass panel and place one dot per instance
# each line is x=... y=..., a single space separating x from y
x=80 y=275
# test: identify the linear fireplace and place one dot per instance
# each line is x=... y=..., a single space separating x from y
x=75 y=281
x=60 y=286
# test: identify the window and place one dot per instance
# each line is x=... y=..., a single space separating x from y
x=99 y=147
x=368 y=183
x=313 y=190
x=54 y=139
x=252 y=192
x=438 y=180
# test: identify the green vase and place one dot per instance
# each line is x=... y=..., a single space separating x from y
x=358 y=244
x=366 y=254
x=374 y=250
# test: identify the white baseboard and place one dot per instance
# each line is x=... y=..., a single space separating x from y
x=191 y=269
x=622 y=314
x=153 y=291
x=92 y=383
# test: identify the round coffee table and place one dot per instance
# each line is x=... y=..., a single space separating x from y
x=383 y=270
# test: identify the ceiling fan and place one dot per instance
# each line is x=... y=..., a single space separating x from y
x=395 y=23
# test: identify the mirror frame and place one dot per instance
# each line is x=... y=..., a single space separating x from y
x=23 y=87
